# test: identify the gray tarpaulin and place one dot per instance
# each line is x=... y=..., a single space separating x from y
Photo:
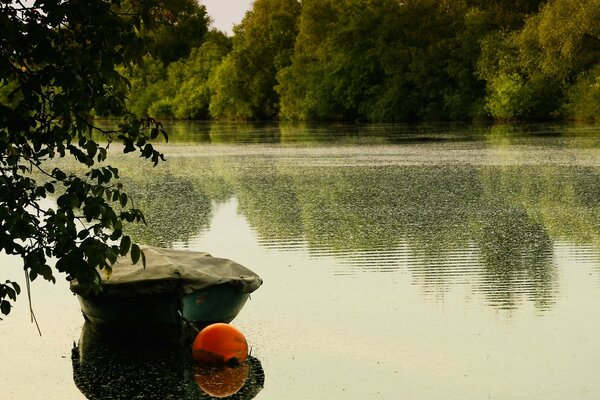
x=168 y=269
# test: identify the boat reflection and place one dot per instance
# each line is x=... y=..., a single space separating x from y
x=107 y=368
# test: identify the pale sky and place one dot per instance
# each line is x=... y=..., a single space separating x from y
x=226 y=13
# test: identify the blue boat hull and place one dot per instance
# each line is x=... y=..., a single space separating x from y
x=165 y=312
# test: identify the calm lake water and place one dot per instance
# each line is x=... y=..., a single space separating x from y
x=399 y=262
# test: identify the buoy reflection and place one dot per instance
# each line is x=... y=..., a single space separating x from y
x=106 y=367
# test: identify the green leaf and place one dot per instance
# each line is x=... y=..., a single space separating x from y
x=73 y=201
x=91 y=148
x=111 y=255
x=46 y=273
x=128 y=146
x=102 y=154
x=116 y=234
x=58 y=174
x=135 y=253
x=125 y=245
x=123 y=199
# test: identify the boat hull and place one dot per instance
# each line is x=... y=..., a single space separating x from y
x=218 y=303
x=164 y=313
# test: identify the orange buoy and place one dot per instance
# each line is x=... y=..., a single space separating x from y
x=220 y=344
x=221 y=381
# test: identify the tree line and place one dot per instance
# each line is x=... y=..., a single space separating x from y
x=380 y=61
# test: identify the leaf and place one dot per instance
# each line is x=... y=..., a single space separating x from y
x=46 y=273
x=111 y=255
x=128 y=146
x=135 y=253
x=116 y=234
x=102 y=154
x=58 y=174
x=15 y=286
x=10 y=293
x=5 y=307
x=125 y=245
x=73 y=201
x=91 y=148
x=147 y=150
x=123 y=199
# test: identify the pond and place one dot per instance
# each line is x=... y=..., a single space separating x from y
x=431 y=261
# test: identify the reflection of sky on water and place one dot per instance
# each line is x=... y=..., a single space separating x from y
x=366 y=331
x=394 y=267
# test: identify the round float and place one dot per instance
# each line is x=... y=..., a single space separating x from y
x=220 y=344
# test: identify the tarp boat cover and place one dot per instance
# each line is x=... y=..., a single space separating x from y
x=170 y=270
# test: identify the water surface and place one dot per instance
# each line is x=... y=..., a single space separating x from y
x=437 y=262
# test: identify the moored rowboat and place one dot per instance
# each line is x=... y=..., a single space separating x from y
x=175 y=287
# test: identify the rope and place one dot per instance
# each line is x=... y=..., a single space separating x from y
x=33 y=318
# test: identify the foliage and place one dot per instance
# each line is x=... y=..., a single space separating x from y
x=379 y=60
x=181 y=89
x=540 y=69
x=148 y=84
x=191 y=77
x=184 y=23
x=370 y=60
x=583 y=97
x=57 y=63
x=244 y=84
x=331 y=62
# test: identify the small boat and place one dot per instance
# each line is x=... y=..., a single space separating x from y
x=175 y=289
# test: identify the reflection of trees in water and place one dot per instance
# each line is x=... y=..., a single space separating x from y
x=265 y=196
x=436 y=208
x=252 y=132
x=440 y=213
x=174 y=209
x=491 y=226
x=341 y=211
x=517 y=258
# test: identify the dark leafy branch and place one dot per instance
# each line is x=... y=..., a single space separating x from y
x=58 y=63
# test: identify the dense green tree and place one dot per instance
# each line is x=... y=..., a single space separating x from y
x=184 y=23
x=58 y=60
x=191 y=77
x=430 y=66
x=507 y=15
x=514 y=89
x=244 y=84
x=567 y=50
x=149 y=84
x=334 y=62
x=530 y=71
x=383 y=61
x=583 y=97
x=181 y=89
